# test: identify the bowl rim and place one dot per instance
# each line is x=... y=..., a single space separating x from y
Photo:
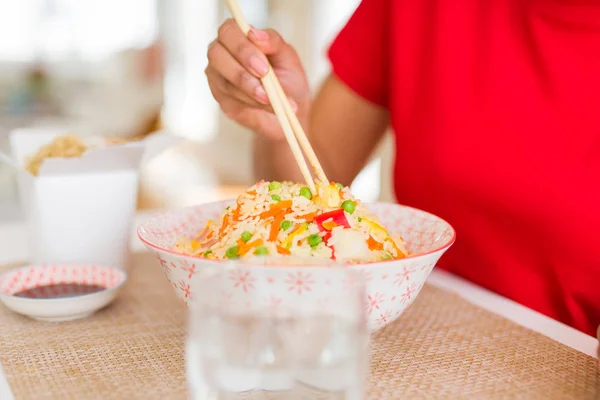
x=139 y=230
x=12 y=297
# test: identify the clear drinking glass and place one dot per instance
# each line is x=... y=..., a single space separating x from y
x=277 y=332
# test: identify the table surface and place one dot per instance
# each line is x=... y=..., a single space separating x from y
x=14 y=249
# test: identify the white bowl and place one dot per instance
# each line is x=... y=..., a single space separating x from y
x=60 y=308
x=392 y=286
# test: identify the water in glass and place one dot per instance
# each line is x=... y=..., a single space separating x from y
x=280 y=333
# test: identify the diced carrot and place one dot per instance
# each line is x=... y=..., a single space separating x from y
x=276 y=208
x=283 y=250
x=374 y=244
x=236 y=214
x=224 y=225
x=252 y=192
x=246 y=247
x=269 y=213
x=285 y=204
x=310 y=217
x=275 y=226
x=329 y=225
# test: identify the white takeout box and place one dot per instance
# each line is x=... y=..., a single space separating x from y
x=82 y=209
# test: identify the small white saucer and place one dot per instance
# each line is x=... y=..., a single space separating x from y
x=51 y=294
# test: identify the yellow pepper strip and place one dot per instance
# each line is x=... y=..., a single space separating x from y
x=375 y=227
x=288 y=240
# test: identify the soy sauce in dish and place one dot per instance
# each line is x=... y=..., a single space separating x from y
x=60 y=290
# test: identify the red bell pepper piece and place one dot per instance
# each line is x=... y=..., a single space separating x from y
x=336 y=216
x=326 y=238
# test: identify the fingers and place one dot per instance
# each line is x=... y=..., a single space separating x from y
x=242 y=49
x=225 y=65
x=269 y=42
x=237 y=63
x=221 y=89
x=252 y=118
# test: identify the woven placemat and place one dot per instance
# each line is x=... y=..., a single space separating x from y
x=442 y=347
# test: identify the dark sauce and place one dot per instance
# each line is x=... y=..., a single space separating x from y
x=58 y=291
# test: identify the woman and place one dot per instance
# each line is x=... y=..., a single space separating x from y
x=496 y=115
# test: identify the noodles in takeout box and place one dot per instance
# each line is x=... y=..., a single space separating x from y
x=79 y=193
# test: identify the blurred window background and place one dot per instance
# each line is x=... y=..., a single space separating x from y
x=127 y=68
x=74 y=30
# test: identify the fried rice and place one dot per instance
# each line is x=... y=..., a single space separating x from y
x=284 y=219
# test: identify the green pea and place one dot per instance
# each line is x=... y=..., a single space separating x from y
x=274 y=185
x=306 y=193
x=246 y=236
x=207 y=253
x=386 y=256
x=314 y=240
x=228 y=207
x=349 y=206
x=232 y=252
x=339 y=185
x=285 y=225
x=261 y=251
x=276 y=198
x=359 y=219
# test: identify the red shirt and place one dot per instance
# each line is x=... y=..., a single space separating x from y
x=495 y=107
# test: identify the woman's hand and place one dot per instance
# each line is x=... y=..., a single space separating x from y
x=235 y=65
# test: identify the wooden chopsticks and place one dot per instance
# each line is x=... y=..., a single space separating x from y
x=285 y=114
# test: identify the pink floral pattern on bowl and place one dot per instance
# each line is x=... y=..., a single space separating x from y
x=54 y=274
x=53 y=299
x=392 y=286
